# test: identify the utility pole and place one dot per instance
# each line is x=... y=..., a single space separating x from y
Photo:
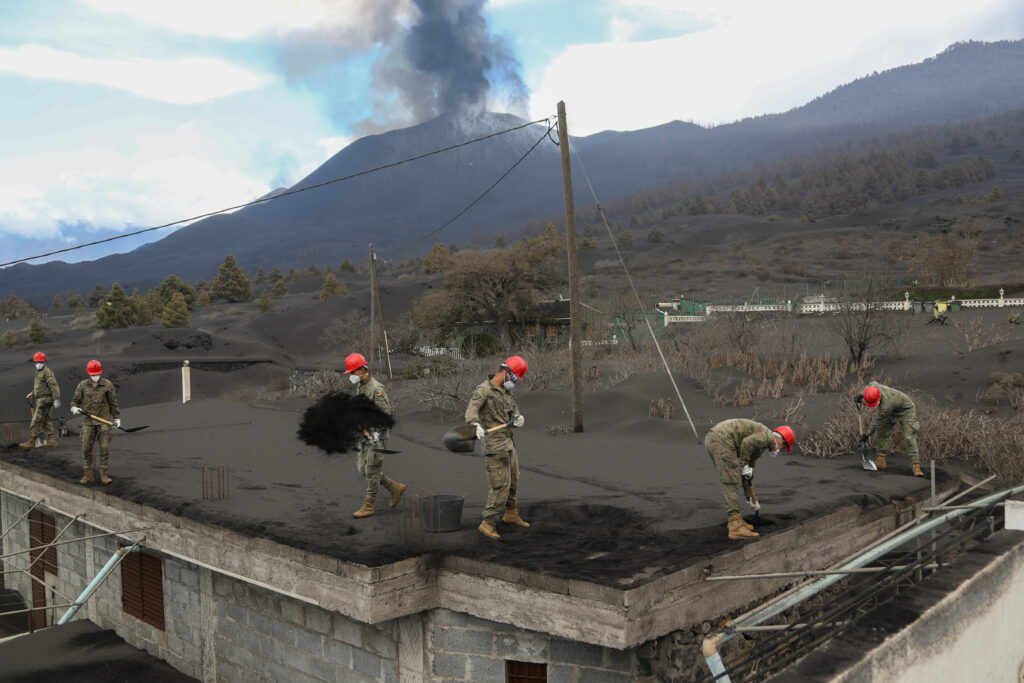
x=375 y=305
x=575 y=325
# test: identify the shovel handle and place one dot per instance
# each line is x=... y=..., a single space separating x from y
x=98 y=419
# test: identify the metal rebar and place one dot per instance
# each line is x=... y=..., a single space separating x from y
x=75 y=540
x=16 y=523
x=822 y=572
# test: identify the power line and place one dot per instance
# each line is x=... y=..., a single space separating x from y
x=474 y=202
x=283 y=194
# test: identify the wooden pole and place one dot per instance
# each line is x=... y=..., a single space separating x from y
x=380 y=312
x=373 y=308
x=575 y=326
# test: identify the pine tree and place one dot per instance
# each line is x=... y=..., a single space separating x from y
x=437 y=261
x=275 y=275
x=169 y=287
x=56 y=304
x=265 y=304
x=280 y=288
x=74 y=299
x=115 y=311
x=347 y=267
x=231 y=283
x=36 y=331
x=261 y=276
x=655 y=235
x=97 y=295
x=176 y=312
x=8 y=340
x=332 y=287
x=625 y=239
x=204 y=299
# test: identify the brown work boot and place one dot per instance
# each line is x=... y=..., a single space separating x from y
x=738 y=530
x=487 y=529
x=880 y=461
x=396 y=490
x=366 y=510
x=51 y=442
x=512 y=516
x=103 y=476
x=28 y=445
x=916 y=466
x=87 y=478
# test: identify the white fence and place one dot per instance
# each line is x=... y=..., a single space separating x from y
x=429 y=351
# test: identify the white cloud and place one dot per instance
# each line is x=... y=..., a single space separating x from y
x=333 y=145
x=180 y=81
x=757 y=57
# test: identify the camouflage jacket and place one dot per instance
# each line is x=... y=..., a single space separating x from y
x=97 y=398
x=492 y=406
x=45 y=385
x=893 y=405
x=375 y=391
x=748 y=439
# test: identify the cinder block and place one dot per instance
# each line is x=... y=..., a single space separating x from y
x=347 y=631
x=563 y=673
x=367 y=663
x=465 y=640
x=317 y=620
x=486 y=669
x=524 y=646
x=450 y=666
x=604 y=676
x=379 y=643
x=259 y=622
x=292 y=611
x=618 y=660
x=322 y=669
x=296 y=659
x=338 y=652
x=222 y=586
x=190 y=577
x=172 y=571
x=238 y=613
x=312 y=643
x=570 y=652
x=283 y=631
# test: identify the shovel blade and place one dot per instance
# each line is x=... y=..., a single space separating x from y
x=866 y=462
x=460 y=439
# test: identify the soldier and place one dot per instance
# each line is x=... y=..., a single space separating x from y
x=734 y=447
x=893 y=406
x=46 y=394
x=96 y=397
x=492 y=405
x=370 y=458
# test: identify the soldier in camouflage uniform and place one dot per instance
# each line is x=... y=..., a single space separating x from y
x=96 y=396
x=370 y=460
x=492 y=405
x=734 y=447
x=46 y=394
x=893 y=406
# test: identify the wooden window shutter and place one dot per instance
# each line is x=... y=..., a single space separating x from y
x=142 y=588
x=42 y=530
x=525 y=672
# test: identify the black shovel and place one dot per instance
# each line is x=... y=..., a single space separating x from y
x=865 y=460
x=108 y=422
x=462 y=439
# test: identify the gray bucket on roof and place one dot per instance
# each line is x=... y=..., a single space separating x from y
x=442 y=512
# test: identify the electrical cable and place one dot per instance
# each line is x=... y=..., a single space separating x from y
x=283 y=194
x=471 y=204
x=636 y=295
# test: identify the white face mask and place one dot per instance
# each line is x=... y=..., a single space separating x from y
x=354 y=379
x=95 y=378
x=39 y=366
x=775 y=453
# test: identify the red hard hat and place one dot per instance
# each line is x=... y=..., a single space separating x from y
x=872 y=396
x=787 y=434
x=354 y=362
x=40 y=357
x=517 y=365
x=93 y=367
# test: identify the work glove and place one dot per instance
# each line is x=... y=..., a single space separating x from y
x=863 y=439
x=29 y=396
x=858 y=399
x=117 y=422
x=747 y=472
x=75 y=410
x=375 y=439
x=756 y=505
x=518 y=421
x=480 y=433
x=56 y=403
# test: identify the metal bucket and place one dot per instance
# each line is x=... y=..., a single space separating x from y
x=442 y=512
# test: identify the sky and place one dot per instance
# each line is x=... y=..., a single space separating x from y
x=117 y=115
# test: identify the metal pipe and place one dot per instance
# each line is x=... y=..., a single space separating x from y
x=813 y=572
x=757 y=617
x=971 y=488
x=75 y=540
x=969 y=506
x=114 y=560
x=16 y=523
x=714 y=660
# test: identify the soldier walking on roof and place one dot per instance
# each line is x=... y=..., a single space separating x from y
x=734 y=446
x=893 y=406
x=492 y=405
x=370 y=458
x=96 y=397
x=46 y=395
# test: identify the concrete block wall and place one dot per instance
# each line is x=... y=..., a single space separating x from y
x=11 y=508
x=464 y=648
x=266 y=636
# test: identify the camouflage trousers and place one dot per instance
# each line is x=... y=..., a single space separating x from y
x=727 y=463
x=95 y=434
x=41 y=422
x=369 y=464
x=908 y=420
x=503 y=479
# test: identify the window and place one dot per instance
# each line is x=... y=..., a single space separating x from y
x=525 y=672
x=41 y=530
x=142 y=588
